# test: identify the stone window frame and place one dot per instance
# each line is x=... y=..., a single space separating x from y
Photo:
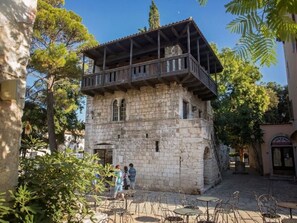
x=119 y=109
x=187 y=110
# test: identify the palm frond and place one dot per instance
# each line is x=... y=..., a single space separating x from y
x=258 y=48
x=241 y=7
x=283 y=24
x=290 y=6
x=264 y=50
x=245 y=24
x=243 y=47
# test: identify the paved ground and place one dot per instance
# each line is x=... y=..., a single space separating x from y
x=246 y=184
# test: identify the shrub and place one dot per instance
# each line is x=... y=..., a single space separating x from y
x=53 y=187
x=4 y=209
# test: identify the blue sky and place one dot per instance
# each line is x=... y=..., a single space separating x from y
x=109 y=20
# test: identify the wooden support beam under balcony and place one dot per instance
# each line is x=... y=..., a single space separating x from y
x=187 y=78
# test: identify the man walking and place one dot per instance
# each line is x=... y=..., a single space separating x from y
x=132 y=176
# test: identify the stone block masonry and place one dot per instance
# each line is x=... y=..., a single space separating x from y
x=167 y=150
x=16 y=27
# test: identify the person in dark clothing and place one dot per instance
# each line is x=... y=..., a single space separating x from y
x=125 y=177
x=132 y=176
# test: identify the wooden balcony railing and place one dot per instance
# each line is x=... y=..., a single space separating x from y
x=201 y=74
x=154 y=69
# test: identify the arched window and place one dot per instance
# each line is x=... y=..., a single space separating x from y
x=123 y=110
x=119 y=110
x=115 y=111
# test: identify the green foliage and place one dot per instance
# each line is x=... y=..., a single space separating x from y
x=55 y=26
x=241 y=104
x=57 y=184
x=233 y=154
x=142 y=30
x=202 y=2
x=55 y=59
x=279 y=112
x=154 y=16
x=29 y=142
x=55 y=3
x=35 y=115
x=52 y=188
x=260 y=23
x=257 y=40
x=68 y=100
x=5 y=210
x=24 y=207
x=58 y=37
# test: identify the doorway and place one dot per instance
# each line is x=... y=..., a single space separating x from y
x=282 y=156
x=105 y=156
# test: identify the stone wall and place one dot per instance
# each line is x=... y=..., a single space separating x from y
x=16 y=22
x=166 y=150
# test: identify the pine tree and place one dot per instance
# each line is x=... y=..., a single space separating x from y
x=58 y=37
x=154 y=16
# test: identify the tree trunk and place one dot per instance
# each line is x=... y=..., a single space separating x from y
x=16 y=23
x=50 y=116
x=258 y=158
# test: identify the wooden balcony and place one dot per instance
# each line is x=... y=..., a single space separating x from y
x=183 y=69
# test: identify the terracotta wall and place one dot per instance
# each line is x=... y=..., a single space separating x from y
x=290 y=50
x=270 y=132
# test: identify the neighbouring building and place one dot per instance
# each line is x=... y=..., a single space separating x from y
x=148 y=104
x=279 y=150
x=75 y=140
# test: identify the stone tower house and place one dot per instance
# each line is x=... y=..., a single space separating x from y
x=148 y=104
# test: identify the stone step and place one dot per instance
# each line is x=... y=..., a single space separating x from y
x=282 y=177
